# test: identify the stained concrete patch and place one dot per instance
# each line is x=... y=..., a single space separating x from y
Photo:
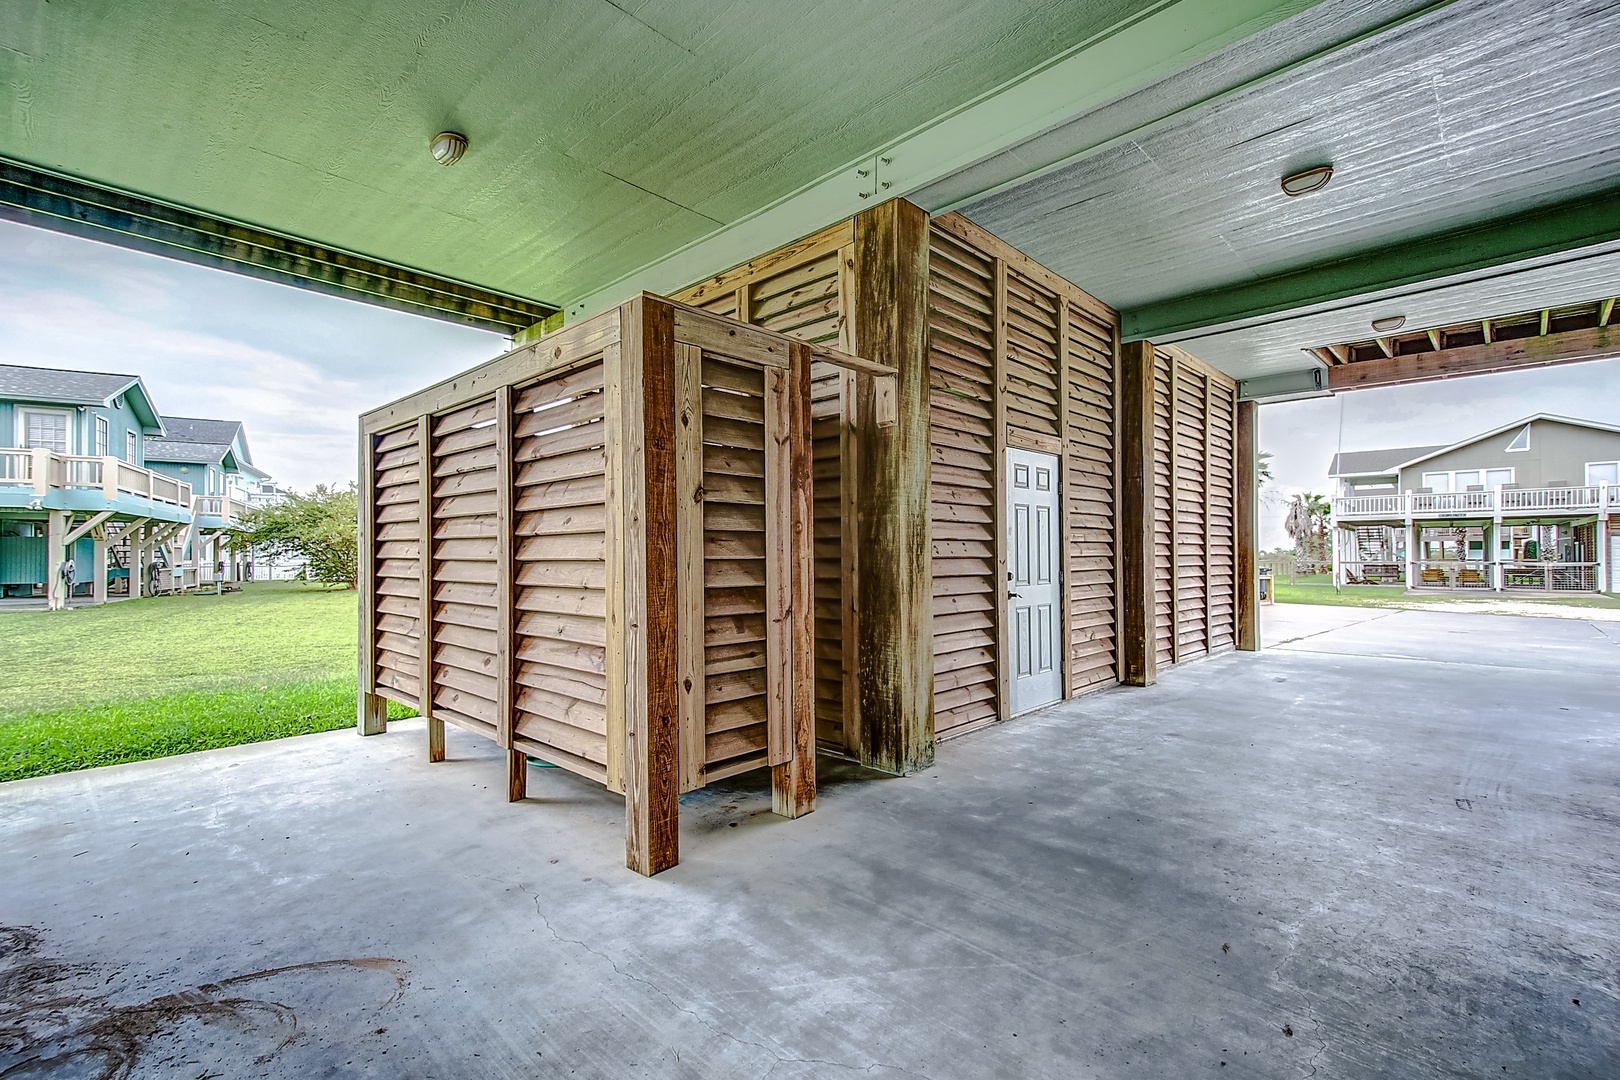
x=1396 y=858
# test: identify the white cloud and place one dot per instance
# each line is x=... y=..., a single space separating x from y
x=297 y=368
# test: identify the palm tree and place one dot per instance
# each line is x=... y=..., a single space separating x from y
x=1307 y=524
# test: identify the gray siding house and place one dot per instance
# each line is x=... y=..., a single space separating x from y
x=1527 y=507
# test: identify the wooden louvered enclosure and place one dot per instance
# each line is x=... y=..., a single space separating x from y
x=597 y=550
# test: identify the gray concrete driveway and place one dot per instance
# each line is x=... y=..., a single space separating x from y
x=1388 y=847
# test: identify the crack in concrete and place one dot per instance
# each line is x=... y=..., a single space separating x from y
x=778 y=1059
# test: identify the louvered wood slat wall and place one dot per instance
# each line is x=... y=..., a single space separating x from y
x=1057 y=395
x=560 y=567
x=397 y=583
x=802 y=291
x=1090 y=506
x=734 y=576
x=962 y=474
x=1195 y=472
x=616 y=574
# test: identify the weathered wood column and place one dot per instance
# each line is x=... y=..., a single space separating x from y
x=894 y=577
x=1246 y=510
x=644 y=630
x=1138 y=645
x=371 y=711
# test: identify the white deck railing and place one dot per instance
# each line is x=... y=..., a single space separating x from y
x=44 y=470
x=1585 y=499
x=223 y=507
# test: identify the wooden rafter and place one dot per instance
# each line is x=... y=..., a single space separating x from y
x=1571 y=346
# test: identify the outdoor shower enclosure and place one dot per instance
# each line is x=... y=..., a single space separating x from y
x=596 y=550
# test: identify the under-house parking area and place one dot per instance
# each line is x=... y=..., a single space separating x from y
x=1388 y=845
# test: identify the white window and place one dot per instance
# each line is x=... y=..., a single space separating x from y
x=44 y=429
x=1437 y=481
x=1521 y=441
x=1603 y=472
x=103 y=436
x=1495 y=478
x=131 y=448
x=1465 y=480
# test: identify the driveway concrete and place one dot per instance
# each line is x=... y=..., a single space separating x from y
x=1385 y=849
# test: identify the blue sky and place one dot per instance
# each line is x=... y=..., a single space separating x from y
x=298 y=367
x=295 y=366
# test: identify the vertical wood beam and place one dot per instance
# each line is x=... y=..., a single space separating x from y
x=894 y=634
x=1246 y=505
x=689 y=542
x=652 y=655
x=517 y=770
x=424 y=626
x=779 y=563
x=1066 y=569
x=998 y=481
x=793 y=781
x=371 y=712
x=517 y=775
x=849 y=508
x=620 y=573
x=1174 y=435
x=1209 y=576
x=57 y=524
x=1138 y=628
x=98 y=563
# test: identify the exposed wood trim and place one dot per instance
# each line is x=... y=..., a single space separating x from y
x=1209 y=439
x=1245 y=506
x=1175 y=510
x=1138 y=631
x=689 y=587
x=424 y=629
x=1487 y=327
x=565 y=348
x=652 y=656
x=895 y=625
x=1065 y=570
x=998 y=410
x=1387 y=345
x=793 y=782
x=1573 y=346
x=797 y=253
x=48 y=200
x=779 y=556
x=621 y=575
x=849 y=456
x=1033 y=440
x=1434 y=339
x=517 y=775
x=1546 y=321
x=505 y=576
x=1341 y=353
x=1605 y=311
x=85 y=528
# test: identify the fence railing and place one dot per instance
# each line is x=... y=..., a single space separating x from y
x=1549 y=577
x=224 y=507
x=45 y=470
x=1584 y=498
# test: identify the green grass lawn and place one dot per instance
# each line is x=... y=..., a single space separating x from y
x=148 y=678
x=1396 y=596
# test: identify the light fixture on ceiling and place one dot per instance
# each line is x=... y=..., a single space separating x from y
x=447 y=147
x=1389 y=324
x=1307 y=181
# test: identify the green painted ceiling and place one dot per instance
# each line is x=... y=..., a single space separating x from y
x=602 y=135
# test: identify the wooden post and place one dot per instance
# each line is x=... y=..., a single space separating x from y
x=647 y=539
x=517 y=775
x=1138 y=608
x=371 y=711
x=135 y=532
x=1001 y=578
x=894 y=578
x=424 y=626
x=1246 y=506
x=98 y=566
x=793 y=782
x=689 y=541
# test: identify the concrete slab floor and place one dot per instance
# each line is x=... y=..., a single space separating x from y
x=1388 y=849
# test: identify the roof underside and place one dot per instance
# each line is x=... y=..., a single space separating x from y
x=609 y=140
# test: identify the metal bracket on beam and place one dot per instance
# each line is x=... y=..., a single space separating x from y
x=1287 y=386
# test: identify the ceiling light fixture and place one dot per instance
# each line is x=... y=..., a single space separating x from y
x=447 y=147
x=1389 y=323
x=1303 y=183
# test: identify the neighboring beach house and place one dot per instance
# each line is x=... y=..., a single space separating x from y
x=1526 y=507
x=91 y=472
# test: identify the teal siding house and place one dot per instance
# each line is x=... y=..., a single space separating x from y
x=102 y=495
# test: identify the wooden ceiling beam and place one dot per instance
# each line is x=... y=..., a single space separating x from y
x=1573 y=346
x=1605 y=310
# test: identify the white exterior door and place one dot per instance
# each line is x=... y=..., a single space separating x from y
x=1033 y=581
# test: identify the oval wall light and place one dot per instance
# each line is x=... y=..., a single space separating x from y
x=1304 y=183
x=1389 y=323
x=447 y=147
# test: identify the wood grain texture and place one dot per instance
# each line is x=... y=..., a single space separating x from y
x=652 y=723
x=1138 y=617
x=689 y=587
x=793 y=780
x=895 y=628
